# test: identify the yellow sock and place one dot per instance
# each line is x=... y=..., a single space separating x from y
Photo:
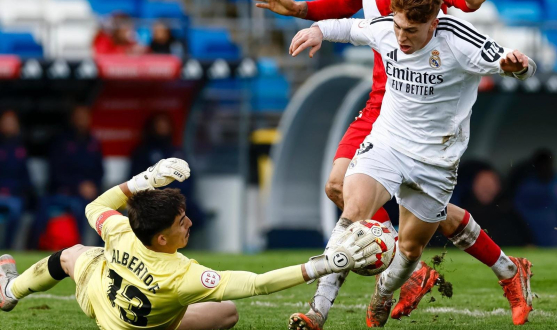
x=35 y=279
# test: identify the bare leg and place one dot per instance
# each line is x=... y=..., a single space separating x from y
x=414 y=234
x=363 y=196
x=454 y=218
x=210 y=316
x=69 y=257
x=334 y=185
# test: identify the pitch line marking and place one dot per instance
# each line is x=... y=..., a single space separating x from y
x=50 y=296
x=429 y=310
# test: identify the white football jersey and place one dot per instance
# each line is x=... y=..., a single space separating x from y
x=429 y=94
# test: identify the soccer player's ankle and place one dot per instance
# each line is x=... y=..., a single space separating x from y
x=504 y=268
x=9 y=292
x=383 y=291
x=321 y=306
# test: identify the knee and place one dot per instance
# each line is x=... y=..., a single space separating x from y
x=231 y=315
x=411 y=250
x=333 y=189
x=68 y=255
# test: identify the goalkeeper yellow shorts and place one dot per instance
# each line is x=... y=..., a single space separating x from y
x=84 y=268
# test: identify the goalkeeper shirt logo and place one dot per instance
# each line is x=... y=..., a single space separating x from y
x=210 y=279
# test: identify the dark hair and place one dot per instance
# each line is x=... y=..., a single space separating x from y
x=417 y=11
x=152 y=211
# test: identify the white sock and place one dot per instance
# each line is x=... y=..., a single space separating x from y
x=504 y=268
x=328 y=286
x=398 y=272
x=339 y=229
x=327 y=291
x=9 y=292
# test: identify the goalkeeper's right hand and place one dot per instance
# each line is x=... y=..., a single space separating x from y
x=159 y=175
x=350 y=253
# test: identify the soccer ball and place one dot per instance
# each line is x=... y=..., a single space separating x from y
x=384 y=246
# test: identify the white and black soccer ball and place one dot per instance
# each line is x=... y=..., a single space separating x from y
x=383 y=246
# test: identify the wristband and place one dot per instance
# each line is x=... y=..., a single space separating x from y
x=139 y=183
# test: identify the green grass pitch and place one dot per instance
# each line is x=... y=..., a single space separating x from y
x=478 y=301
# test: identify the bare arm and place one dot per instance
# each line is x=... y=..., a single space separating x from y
x=285 y=7
x=313 y=10
x=465 y=5
x=474 y=4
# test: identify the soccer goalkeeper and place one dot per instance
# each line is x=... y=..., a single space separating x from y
x=139 y=279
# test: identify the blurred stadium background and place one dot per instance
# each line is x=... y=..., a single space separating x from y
x=93 y=91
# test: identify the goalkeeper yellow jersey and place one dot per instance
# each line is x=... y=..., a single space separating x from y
x=137 y=288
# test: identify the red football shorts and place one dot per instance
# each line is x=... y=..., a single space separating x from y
x=356 y=133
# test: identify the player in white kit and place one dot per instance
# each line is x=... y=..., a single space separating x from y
x=434 y=67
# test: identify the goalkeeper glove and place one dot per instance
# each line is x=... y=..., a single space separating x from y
x=159 y=175
x=350 y=253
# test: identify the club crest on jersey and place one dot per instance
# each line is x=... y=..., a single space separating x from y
x=210 y=279
x=435 y=60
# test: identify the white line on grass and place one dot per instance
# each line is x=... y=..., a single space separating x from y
x=50 y=296
x=430 y=310
x=477 y=313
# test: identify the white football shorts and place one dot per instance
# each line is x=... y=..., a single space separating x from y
x=423 y=189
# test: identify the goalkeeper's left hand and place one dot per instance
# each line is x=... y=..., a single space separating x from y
x=159 y=175
x=350 y=253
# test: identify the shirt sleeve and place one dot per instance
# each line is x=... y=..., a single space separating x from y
x=327 y=9
x=102 y=213
x=204 y=284
x=358 y=32
x=477 y=53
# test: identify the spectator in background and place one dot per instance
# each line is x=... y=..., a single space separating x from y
x=117 y=38
x=76 y=171
x=75 y=160
x=164 y=42
x=156 y=145
x=536 y=199
x=16 y=190
x=494 y=211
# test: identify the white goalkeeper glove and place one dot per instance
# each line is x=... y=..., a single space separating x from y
x=159 y=175
x=350 y=253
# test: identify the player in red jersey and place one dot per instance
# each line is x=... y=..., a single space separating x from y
x=459 y=227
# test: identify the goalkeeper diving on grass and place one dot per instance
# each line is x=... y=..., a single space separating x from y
x=140 y=280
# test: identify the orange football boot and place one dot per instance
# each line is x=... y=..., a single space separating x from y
x=517 y=290
x=309 y=321
x=414 y=290
x=378 y=309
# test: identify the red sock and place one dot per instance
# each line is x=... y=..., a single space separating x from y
x=474 y=241
x=381 y=216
